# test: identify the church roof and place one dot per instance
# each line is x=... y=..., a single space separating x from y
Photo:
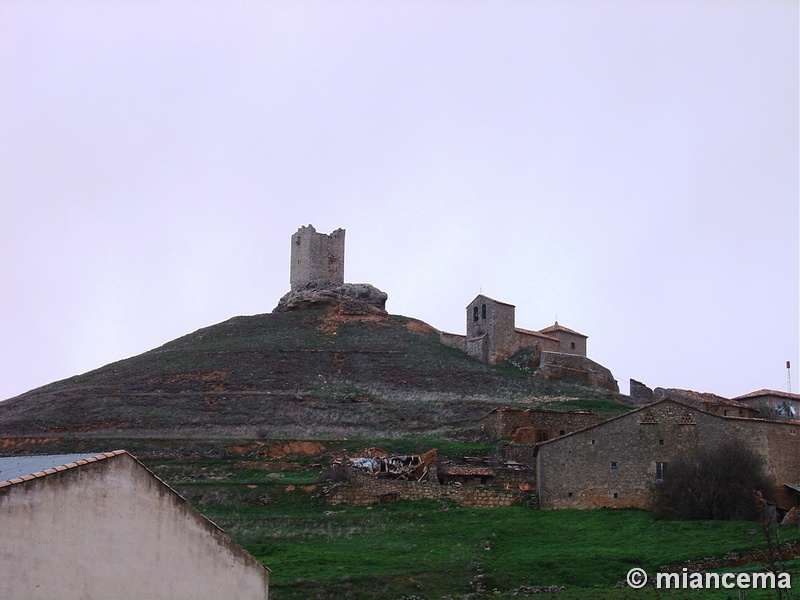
x=556 y=328
x=490 y=299
x=535 y=333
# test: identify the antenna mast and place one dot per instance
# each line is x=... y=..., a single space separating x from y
x=789 y=375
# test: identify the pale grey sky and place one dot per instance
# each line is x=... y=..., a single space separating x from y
x=629 y=167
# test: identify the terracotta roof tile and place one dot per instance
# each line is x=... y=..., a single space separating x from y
x=557 y=327
x=777 y=393
x=535 y=333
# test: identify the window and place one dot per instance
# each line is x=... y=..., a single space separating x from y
x=572 y=345
x=660 y=442
x=562 y=432
x=592 y=442
x=614 y=466
x=483 y=311
x=661 y=470
x=569 y=494
x=616 y=495
x=474 y=313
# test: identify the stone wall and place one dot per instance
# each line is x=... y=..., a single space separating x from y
x=640 y=394
x=615 y=463
x=364 y=490
x=316 y=257
x=521 y=453
x=504 y=422
x=555 y=365
x=454 y=340
x=571 y=343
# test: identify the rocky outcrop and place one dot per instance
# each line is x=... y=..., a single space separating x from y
x=353 y=298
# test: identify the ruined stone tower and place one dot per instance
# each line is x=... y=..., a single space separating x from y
x=316 y=257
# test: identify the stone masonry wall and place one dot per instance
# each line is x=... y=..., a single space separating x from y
x=555 y=365
x=365 y=490
x=502 y=423
x=316 y=257
x=503 y=342
x=614 y=464
x=454 y=340
x=640 y=393
x=491 y=337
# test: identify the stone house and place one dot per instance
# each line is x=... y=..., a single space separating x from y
x=773 y=404
x=104 y=526
x=708 y=402
x=615 y=463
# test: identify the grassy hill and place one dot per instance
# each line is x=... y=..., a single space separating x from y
x=310 y=374
x=204 y=411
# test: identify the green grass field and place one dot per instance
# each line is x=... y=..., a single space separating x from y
x=437 y=550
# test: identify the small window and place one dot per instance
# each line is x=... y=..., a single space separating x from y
x=614 y=466
x=592 y=442
x=474 y=313
x=661 y=471
x=483 y=311
x=562 y=432
x=569 y=494
x=660 y=442
x=616 y=495
x=572 y=345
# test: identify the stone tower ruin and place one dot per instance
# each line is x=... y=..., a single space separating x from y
x=316 y=257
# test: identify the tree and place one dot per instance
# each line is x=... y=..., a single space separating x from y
x=713 y=483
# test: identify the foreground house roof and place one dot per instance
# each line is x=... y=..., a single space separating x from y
x=102 y=525
x=16 y=469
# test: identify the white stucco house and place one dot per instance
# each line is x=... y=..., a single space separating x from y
x=103 y=526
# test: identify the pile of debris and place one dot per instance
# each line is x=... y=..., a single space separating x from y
x=408 y=467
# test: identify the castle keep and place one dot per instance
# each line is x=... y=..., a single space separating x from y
x=316 y=257
x=316 y=277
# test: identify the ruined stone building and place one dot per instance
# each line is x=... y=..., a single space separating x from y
x=104 y=526
x=615 y=463
x=316 y=257
x=533 y=425
x=708 y=402
x=316 y=277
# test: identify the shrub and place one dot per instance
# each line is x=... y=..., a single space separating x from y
x=714 y=483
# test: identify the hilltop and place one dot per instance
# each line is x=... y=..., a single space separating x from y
x=316 y=373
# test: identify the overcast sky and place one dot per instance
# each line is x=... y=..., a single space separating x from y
x=628 y=167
